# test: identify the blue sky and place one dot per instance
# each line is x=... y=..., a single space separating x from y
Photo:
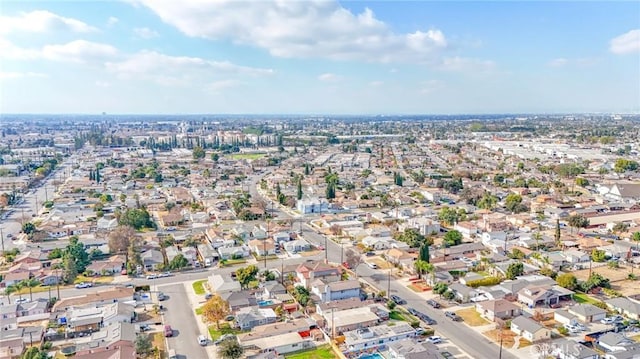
x=310 y=57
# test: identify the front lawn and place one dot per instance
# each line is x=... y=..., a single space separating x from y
x=322 y=352
x=471 y=317
x=198 y=286
x=199 y=311
x=395 y=315
x=225 y=328
x=99 y=279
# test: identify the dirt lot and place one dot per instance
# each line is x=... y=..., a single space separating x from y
x=381 y=263
x=508 y=337
x=618 y=278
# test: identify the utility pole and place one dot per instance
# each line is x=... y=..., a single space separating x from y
x=341 y=252
x=389 y=285
x=2 y=240
x=58 y=283
x=326 y=252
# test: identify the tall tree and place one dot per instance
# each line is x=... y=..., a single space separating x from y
x=143 y=344
x=120 y=238
x=214 y=310
x=75 y=249
x=424 y=253
x=30 y=283
x=70 y=268
x=514 y=270
x=299 y=188
x=230 y=349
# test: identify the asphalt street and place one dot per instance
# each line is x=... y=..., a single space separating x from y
x=180 y=316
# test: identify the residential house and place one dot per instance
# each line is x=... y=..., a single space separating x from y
x=529 y=329
x=569 y=349
x=564 y=317
x=425 y=226
x=462 y=293
x=588 y=313
x=190 y=254
x=409 y=349
x=250 y=317
x=11 y=347
x=220 y=284
x=227 y=253
x=336 y=290
x=298 y=245
x=262 y=247
x=25 y=312
x=312 y=205
x=112 y=265
x=614 y=342
x=115 y=294
x=377 y=243
x=239 y=299
x=499 y=308
x=152 y=259
x=534 y=296
x=278 y=344
x=467 y=229
x=373 y=337
x=626 y=306
x=309 y=271
x=341 y=321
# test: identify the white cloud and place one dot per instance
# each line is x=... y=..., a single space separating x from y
x=41 y=21
x=177 y=70
x=218 y=86
x=626 y=43
x=559 y=62
x=79 y=51
x=18 y=75
x=301 y=29
x=145 y=33
x=376 y=83
x=10 y=51
x=112 y=20
x=103 y=84
x=462 y=64
x=329 y=77
x=430 y=86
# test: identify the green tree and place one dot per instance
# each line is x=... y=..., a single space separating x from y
x=488 y=201
x=55 y=253
x=449 y=215
x=69 y=269
x=513 y=203
x=598 y=255
x=452 y=238
x=246 y=275
x=198 y=153
x=14 y=288
x=120 y=238
x=440 y=288
x=230 y=349
x=623 y=165
x=178 y=262
x=137 y=218
x=30 y=283
x=412 y=237
x=514 y=270
x=76 y=250
x=424 y=253
x=215 y=157
x=423 y=267
x=28 y=228
x=34 y=353
x=582 y=182
x=299 y=189
x=578 y=221
x=143 y=344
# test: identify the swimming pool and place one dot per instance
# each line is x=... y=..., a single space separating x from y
x=264 y=303
x=371 y=356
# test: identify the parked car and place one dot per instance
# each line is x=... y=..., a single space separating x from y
x=145 y=327
x=427 y=319
x=608 y=320
x=453 y=316
x=371 y=254
x=372 y=265
x=397 y=300
x=433 y=303
x=202 y=340
x=164 y=275
x=412 y=311
x=168 y=332
x=346 y=265
x=162 y=296
x=83 y=285
x=151 y=276
x=434 y=339
x=21 y=300
x=208 y=296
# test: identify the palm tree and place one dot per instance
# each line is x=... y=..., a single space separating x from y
x=14 y=288
x=30 y=283
x=422 y=267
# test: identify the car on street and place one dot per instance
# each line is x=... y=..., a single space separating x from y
x=83 y=285
x=168 y=332
x=372 y=265
x=164 y=275
x=433 y=303
x=434 y=339
x=202 y=340
x=320 y=247
x=412 y=311
x=427 y=319
x=370 y=254
x=162 y=296
x=22 y=300
x=346 y=265
x=397 y=300
x=453 y=316
x=151 y=276
x=145 y=327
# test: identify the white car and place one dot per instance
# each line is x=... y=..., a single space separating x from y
x=83 y=285
x=372 y=265
x=151 y=276
x=434 y=339
x=608 y=320
x=22 y=300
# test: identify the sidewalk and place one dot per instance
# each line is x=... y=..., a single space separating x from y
x=196 y=301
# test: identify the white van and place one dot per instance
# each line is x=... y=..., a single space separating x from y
x=372 y=265
x=172 y=354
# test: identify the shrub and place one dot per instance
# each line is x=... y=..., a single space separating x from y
x=487 y=281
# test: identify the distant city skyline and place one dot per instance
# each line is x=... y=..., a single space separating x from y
x=319 y=57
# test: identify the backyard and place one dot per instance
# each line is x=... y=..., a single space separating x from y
x=584 y=298
x=225 y=328
x=323 y=352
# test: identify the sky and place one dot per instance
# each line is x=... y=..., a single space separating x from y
x=319 y=57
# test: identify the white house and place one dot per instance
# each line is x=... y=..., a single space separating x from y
x=377 y=243
x=530 y=329
x=614 y=341
x=315 y=205
x=336 y=290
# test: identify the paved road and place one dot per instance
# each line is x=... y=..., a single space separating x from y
x=180 y=316
x=33 y=200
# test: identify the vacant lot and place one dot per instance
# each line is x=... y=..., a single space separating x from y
x=614 y=275
x=508 y=337
x=381 y=263
x=471 y=317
